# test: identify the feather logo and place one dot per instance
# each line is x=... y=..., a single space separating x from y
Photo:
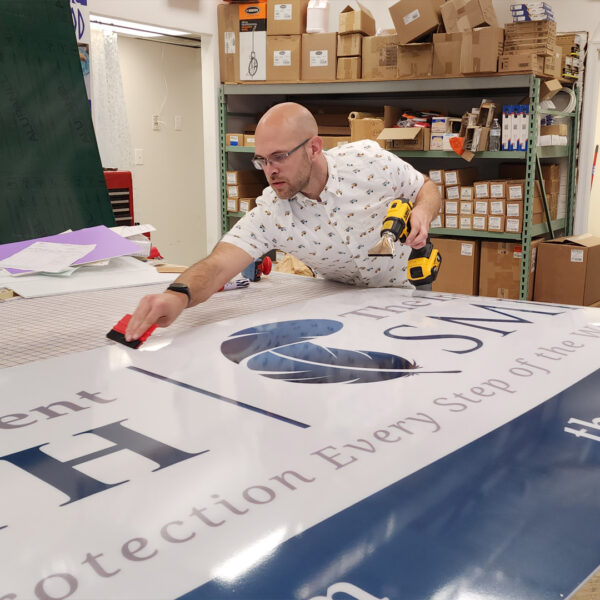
x=284 y=351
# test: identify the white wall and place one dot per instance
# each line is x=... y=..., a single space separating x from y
x=168 y=187
x=199 y=16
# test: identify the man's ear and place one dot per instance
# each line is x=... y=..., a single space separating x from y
x=316 y=146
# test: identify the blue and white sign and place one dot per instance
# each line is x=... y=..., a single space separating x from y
x=373 y=444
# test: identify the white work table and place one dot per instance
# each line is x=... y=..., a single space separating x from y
x=300 y=440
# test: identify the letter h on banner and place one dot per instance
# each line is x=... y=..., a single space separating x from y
x=76 y=485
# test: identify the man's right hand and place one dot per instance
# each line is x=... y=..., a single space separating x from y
x=161 y=309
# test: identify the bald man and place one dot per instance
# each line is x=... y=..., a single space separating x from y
x=324 y=207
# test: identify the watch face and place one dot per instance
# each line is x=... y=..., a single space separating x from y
x=179 y=287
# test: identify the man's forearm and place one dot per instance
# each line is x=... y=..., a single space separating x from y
x=209 y=275
x=428 y=199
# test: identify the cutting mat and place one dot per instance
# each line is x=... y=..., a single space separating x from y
x=39 y=328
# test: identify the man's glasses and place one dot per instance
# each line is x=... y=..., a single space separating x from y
x=260 y=162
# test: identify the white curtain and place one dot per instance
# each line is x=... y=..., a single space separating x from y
x=108 y=101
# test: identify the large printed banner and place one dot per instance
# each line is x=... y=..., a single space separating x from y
x=372 y=444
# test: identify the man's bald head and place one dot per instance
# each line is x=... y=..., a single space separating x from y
x=287 y=120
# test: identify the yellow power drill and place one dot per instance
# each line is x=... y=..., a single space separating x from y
x=424 y=263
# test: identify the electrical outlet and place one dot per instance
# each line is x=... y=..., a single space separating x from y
x=138 y=156
x=178 y=123
x=155 y=123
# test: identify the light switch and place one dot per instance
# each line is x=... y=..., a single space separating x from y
x=139 y=156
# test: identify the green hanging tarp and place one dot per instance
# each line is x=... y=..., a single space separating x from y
x=51 y=176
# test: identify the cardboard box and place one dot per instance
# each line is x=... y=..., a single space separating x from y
x=451 y=207
x=480 y=223
x=365 y=128
x=521 y=63
x=515 y=190
x=466 y=207
x=481 y=207
x=459 y=273
x=406 y=138
x=451 y=221
x=319 y=53
x=229 y=41
x=245 y=190
x=476 y=140
x=498 y=189
x=348 y=67
x=513 y=224
x=287 y=17
x=465 y=15
x=453 y=192
x=234 y=139
x=249 y=140
x=467 y=192
x=349 y=44
x=460 y=176
x=333 y=141
x=497 y=208
x=246 y=176
x=246 y=204
x=482 y=189
x=356 y=21
x=514 y=210
x=414 y=19
x=380 y=57
x=447 y=53
x=441 y=190
x=233 y=204
x=437 y=175
x=549 y=89
x=415 y=60
x=283 y=57
x=253 y=41
x=465 y=222
x=495 y=223
x=569 y=270
x=500 y=269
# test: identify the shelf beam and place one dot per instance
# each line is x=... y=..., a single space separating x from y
x=501 y=83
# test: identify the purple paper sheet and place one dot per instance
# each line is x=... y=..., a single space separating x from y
x=108 y=245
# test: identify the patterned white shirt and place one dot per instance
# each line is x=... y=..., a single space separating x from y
x=333 y=236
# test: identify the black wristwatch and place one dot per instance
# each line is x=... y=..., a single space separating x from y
x=182 y=288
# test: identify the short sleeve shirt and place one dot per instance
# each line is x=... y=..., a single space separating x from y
x=333 y=236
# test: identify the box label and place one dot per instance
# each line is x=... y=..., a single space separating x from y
x=282 y=58
x=318 y=58
x=466 y=249
x=577 y=255
x=282 y=12
x=231 y=179
x=497 y=208
x=435 y=176
x=515 y=192
x=481 y=190
x=451 y=178
x=513 y=209
x=229 y=42
x=412 y=16
x=452 y=192
x=497 y=191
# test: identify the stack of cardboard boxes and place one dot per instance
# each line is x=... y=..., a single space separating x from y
x=494 y=205
x=572 y=47
x=531 y=46
x=267 y=40
x=353 y=25
x=564 y=270
x=243 y=187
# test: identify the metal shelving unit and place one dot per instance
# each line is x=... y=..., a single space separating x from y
x=488 y=86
